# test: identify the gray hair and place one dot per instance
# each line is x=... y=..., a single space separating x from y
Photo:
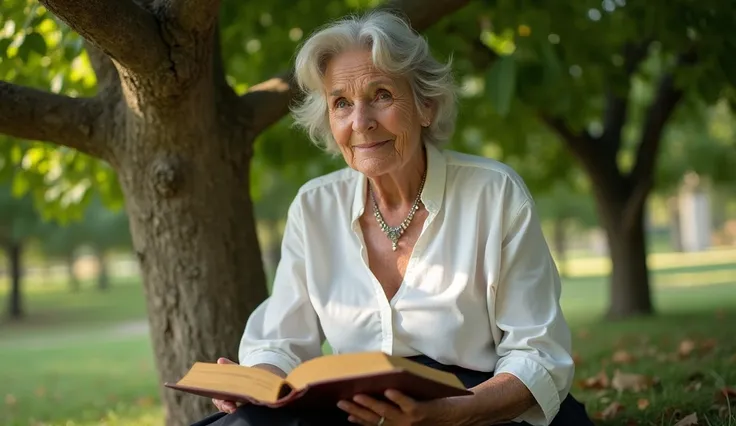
x=395 y=49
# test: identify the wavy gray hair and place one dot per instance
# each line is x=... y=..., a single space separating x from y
x=396 y=49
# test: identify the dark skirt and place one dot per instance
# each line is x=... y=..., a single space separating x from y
x=571 y=411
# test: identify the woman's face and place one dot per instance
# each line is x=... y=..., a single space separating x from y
x=373 y=116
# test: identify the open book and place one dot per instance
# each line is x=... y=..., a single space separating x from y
x=321 y=381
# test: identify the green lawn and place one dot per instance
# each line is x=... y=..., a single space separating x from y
x=81 y=359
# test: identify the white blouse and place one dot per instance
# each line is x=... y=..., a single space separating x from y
x=481 y=289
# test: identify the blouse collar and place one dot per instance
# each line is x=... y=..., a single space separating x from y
x=434 y=186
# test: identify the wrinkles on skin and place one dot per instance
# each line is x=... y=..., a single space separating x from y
x=366 y=106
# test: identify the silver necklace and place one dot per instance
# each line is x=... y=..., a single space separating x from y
x=394 y=232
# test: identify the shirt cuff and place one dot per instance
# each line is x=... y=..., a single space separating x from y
x=277 y=359
x=539 y=382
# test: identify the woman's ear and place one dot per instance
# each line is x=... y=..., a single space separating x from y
x=427 y=112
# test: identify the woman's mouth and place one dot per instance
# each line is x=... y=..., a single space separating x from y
x=371 y=145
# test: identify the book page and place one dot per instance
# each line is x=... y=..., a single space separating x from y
x=428 y=372
x=365 y=363
x=232 y=378
x=337 y=366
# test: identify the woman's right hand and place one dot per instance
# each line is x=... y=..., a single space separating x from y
x=222 y=404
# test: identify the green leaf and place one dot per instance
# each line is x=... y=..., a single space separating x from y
x=32 y=42
x=4 y=43
x=36 y=43
x=501 y=84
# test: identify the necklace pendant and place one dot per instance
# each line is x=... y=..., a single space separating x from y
x=394 y=236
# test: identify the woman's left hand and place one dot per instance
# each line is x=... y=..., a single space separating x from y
x=404 y=411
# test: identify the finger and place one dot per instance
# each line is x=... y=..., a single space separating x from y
x=381 y=408
x=222 y=360
x=407 y=404
x=353 y=419
x=224 y=406
x=359 y=413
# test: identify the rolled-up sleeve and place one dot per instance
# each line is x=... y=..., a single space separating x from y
x=535 y=341
x=284 y=330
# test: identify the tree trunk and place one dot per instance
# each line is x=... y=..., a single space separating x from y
x=103 y=275
x=629 y=292
x=185 y=177
x=15 y=299
x=70 y=259
x=560 y=241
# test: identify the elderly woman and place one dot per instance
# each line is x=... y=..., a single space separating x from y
x=411 y=250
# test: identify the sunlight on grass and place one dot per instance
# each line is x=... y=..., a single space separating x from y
x=596 y=266
x=83 y=364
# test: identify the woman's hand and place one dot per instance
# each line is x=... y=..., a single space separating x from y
x=404 y=411
x=221 y=404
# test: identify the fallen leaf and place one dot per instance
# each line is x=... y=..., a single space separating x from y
x=629 y=381
x=610 y=412
x=599 y=381
x=725 y=395
x=642 y=403
x=689 y=420
x=622 y=357
x=708 y=345
x=10 y=399
x=576 y=358
x=686 y=347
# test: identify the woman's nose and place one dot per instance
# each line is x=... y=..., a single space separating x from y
x=363 y=120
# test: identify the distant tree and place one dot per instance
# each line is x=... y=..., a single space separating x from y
x=103 y=230
x=606 y=78
x=18 y=223
x=60 y=242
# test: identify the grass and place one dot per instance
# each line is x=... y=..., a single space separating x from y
x=70 y=364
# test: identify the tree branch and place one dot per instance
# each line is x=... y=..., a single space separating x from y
x=120 y=28
x=420 y=14
x=267 y=102
x=580 y=144
x=28 y=113
x=658 y=113
x=617 y=104
x=108 y=79
x=195 y=15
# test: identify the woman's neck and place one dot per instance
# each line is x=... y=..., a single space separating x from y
x=399 y=189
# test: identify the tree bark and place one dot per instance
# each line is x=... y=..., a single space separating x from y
x=629 y=289
x=15 y=299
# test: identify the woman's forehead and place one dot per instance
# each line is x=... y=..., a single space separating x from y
x=355 y=69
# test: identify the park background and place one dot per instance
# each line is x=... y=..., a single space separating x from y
x=119 y=268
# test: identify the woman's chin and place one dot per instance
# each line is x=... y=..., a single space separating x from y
x=373 y=166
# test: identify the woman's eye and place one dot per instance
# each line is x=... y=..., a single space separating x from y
x=383 y=95
x=341 y=103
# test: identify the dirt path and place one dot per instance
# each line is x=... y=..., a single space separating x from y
x=59 y=339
